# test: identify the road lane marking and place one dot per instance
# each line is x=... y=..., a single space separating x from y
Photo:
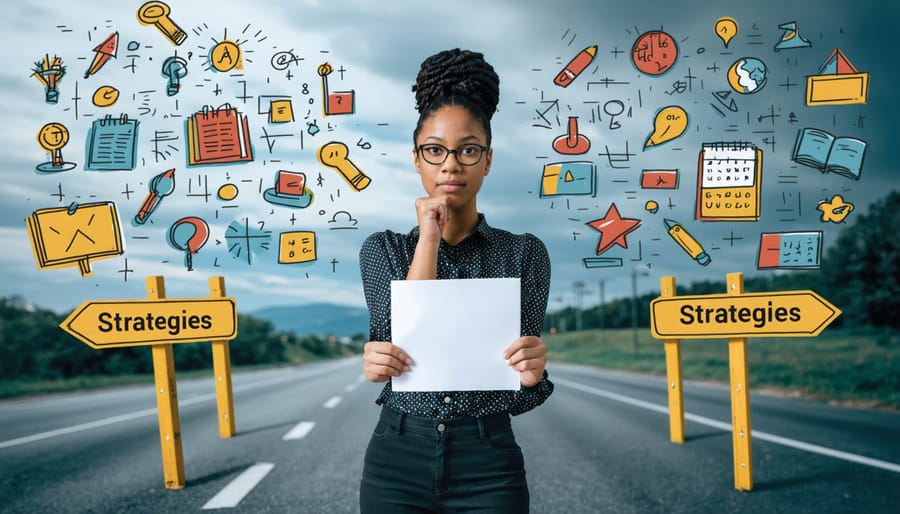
x=299 y=431
x=332 y=402
x=352 y=387
x=756 y=434
x=232 y=494
x=150 y=412
x=77 y=428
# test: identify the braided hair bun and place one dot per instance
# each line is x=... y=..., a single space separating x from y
x=457 y=77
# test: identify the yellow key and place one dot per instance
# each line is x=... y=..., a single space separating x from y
x=334 y=155
x=157 y=13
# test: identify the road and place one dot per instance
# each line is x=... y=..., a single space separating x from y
x=599 y=444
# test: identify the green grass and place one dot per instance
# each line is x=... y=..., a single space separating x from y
x=842 y=366
x=15 y=388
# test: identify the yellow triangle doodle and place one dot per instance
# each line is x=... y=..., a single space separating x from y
x=569 y=177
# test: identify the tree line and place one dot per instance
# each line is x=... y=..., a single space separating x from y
x=859 y=274
x=34 y=347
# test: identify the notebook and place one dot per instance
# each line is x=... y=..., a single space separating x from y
x=218 y=135
x=112 y=144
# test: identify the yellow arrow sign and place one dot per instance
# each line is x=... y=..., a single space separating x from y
x=120 y=323
x=785 y=313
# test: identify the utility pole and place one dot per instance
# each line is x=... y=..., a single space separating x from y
x=602 y=311
x=634 y=330
x=579 y=296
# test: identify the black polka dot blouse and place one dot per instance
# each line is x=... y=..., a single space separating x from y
x=485 y=253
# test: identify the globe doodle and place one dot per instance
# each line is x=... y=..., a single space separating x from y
x=747 y=75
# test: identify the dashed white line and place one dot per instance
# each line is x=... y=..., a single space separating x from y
x=153 y=412
x=232 y=494
x=756 y=434
x=299 y=431
x=332 y=402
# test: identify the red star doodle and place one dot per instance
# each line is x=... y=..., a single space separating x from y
x=613 y=229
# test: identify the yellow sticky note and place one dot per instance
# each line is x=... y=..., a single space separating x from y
x=281 y=111
x=295 y=247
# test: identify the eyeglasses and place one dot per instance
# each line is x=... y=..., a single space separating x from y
x=467 y=155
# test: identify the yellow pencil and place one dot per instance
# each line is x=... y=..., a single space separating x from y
x=687 y=242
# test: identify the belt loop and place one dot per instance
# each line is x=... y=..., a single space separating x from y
x=481 y=431
x=400 y=422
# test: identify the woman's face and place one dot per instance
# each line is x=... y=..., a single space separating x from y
x=452 y=127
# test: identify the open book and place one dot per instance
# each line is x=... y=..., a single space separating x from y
x=819 y=149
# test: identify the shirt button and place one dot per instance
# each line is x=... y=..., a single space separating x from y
x=441 y=427
x=447 y=399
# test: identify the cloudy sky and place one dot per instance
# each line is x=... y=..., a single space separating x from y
x=374 y=49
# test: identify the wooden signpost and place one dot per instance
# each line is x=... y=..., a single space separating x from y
x=736 y=316
x=159 y=322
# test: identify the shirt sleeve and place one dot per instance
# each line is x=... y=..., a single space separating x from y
x=535 y=291
x=374 y=269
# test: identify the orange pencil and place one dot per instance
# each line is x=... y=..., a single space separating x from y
x=575 y=66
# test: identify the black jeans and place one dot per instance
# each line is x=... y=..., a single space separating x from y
x=421 y=465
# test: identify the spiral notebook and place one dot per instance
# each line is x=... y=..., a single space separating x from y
x=218 y=135
x=729 y=176
x=112 y=144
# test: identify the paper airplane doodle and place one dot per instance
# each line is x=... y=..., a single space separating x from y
x=102 y=53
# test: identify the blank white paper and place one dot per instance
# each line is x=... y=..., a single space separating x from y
x=456 y=331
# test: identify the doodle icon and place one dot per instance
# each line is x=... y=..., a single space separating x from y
x=613 y=229
x=834 y=210
x=226 y=56
x=577 y=65
x=338 y=102
x=334 y=155
x=49 y=72
x=290 y=190
x=569 y=178
x=105 y=96
x=747 y=75
x=189 y=235
x=102 y=53
x=654 y=52
x=572 y=143
x=175 y=69
x=837 y=83
x=75 y=235
x=53 y=137
x=157 y=14
x=791 y=38
x=160 y=187
x=726 y=28
x=297 y=247
x=668 y=124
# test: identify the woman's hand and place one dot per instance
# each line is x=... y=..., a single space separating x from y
x=528 y=356
x=383 y=360
x=433 y=215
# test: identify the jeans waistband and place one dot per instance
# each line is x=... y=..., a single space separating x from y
x=475 y=426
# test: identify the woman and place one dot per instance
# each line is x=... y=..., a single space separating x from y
x=447 y=451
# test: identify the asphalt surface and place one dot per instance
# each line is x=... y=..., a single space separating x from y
x=599 y=444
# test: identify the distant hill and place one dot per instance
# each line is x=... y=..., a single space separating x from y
x=320 y=319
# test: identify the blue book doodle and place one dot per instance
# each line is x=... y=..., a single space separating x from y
x=112 y=144
x=819 y=149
